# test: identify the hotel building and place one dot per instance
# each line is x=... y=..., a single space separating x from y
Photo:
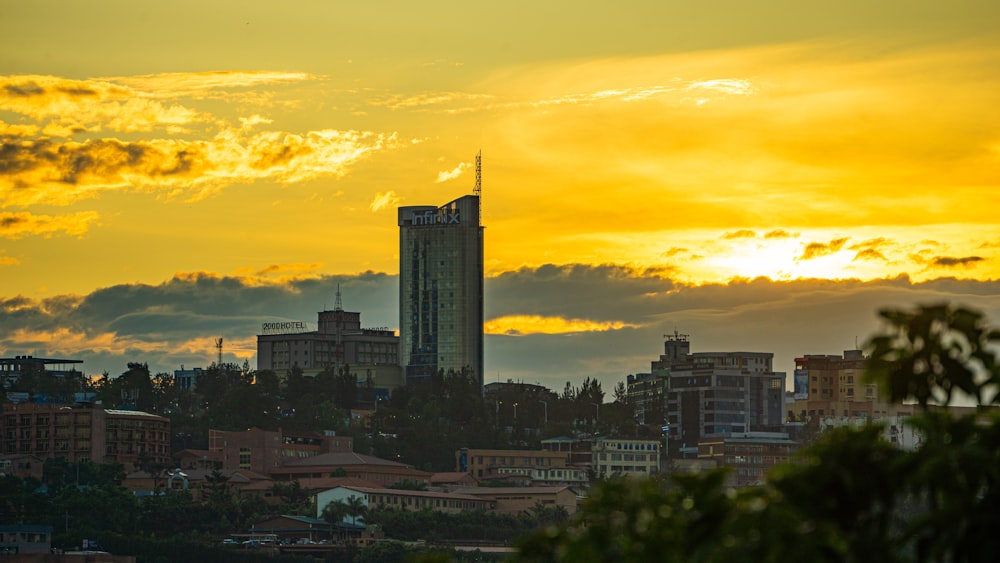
x=441 y=289
x=371 y=354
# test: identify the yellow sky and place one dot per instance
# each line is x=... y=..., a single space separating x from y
x=715 y=143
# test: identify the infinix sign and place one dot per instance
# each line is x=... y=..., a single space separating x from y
x=435 y=217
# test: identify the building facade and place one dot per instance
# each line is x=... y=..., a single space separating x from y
x=709 y=394
x=78 y=433
x=371 y=354
x=11 y=369
x=625 y=457
x=263 y=451
x=833 y=378
x=402 y=499
x=483 y=464
x=750 y=455
x=441 y=289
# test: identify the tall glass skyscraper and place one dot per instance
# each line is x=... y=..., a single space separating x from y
x=441 y=289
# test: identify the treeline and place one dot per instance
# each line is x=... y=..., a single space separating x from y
x=434 y=526
x=421 y=425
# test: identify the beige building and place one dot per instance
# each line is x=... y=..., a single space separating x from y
x=382 y=472
x=371 y=354
x=483 y=464
x=625 y=457
x=542 y=476
x=836 y=379
x=515 y=500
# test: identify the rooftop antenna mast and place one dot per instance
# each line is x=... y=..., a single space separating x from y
x=218 y=346
x=338 y=308
x=478 y=189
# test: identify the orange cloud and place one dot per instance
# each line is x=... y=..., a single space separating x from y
x=817 y=249
x=23 y=224
x=536 y=324
x=44 y=172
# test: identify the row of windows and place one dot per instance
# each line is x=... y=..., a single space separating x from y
x=420 y=502
x=624 y=457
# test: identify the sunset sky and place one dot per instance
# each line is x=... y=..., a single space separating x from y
x=763 y=176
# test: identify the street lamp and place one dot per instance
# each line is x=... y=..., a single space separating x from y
x=545 y=405
x=515 y=412
x=597 y=417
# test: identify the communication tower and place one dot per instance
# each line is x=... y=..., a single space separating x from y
x=477 y=190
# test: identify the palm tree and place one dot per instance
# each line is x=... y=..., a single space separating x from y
x=335 y=512
x=356 y=508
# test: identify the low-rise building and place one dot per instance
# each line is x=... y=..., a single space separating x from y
x=24 y=466
x=263 y=451
x=751 y=455
x=625 y=457
x=517 y=500
x=17 y=539
x=549 y=476
x=372 y=469
x=195 y=481
x=403 y=499
x=483 y=464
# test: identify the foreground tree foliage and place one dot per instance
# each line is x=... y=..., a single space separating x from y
x=851 y=496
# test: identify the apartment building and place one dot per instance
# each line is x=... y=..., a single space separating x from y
x=710 y=394
x=79 y=433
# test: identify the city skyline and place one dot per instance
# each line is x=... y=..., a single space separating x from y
x=762 y=177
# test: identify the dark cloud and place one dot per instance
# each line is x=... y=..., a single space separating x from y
x=817 y=249
x=24 y=90
x=786 y=318
x=779 y=234
x=870 y=254
x=742 y=233
x=951 y=261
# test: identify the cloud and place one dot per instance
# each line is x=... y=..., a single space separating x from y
x=548 y=324
x=66 y=106
x=177 y=321
x=9 y=261
x=41 y=171
x=428 y=99
x=536 y=324
x=23 y=224
x=870 y=254
x=817 y=249
x=206 y=84
x=452 y=174
x=742 y=233
x=779 y=234
x=385 y=200
x=951 y=261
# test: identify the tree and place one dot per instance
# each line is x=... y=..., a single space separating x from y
x=356 y=508
x=334 y=512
